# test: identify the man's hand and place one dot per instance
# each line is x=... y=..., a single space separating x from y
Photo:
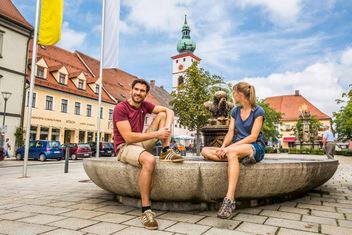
x=163 y=133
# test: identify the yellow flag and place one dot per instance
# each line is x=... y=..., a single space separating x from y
x=50 y=21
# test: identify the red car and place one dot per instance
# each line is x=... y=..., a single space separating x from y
x=77 y=150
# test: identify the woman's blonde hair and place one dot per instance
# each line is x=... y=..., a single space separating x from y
x=247 y=90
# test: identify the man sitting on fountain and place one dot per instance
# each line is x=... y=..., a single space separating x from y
x=133 y=147
x=244 y=139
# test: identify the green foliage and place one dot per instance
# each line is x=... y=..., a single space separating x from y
x=306 y=151
x=270 y=120
x=189 y=97
x=343 y=118
x=19 y=137
x=344 y=153
x=314 y=127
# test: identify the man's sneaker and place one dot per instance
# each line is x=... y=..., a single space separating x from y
x=148 y=221
x=171 y=156
x=226 y=208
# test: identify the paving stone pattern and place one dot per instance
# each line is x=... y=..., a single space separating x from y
x=53 y=203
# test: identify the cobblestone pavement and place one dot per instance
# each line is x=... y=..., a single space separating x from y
x=53 y=203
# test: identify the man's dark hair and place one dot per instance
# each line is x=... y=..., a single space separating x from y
x=141 y=81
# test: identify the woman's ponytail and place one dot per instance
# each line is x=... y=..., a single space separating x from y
x=252 y=97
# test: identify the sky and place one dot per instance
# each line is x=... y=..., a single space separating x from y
x=277 y=46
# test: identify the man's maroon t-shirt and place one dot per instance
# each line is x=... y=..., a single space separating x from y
x=136 y=116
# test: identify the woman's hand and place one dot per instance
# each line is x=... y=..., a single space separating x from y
x=221 y=152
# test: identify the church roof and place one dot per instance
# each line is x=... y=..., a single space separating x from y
x=186 y=44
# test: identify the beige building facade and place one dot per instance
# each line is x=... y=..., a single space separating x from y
x=15 y=33
x=67 y=118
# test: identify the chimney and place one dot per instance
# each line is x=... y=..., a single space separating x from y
x=296 y=92
x=162 y=87
x=152 y=83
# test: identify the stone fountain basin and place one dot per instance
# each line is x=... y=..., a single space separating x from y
x=197 y=180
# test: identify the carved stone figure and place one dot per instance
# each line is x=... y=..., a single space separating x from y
x=219 y=108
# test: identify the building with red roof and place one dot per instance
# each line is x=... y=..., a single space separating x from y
x=290 y=107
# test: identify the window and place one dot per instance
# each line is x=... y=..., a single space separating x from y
x=64 y=105
x=184 y=59
x=33 y=101
x=96 y=88
x=1 y=41
x=40 y=72
x=176 y=61
x=101 y=112
x=49 y=103
x=80 y=84
x=110 y=114
x=62 y=78
x=89 y=110
x=77 y=108
x=180 y=80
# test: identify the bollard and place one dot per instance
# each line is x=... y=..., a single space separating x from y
x=67 y=152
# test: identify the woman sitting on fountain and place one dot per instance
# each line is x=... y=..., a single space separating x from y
x=244 y=140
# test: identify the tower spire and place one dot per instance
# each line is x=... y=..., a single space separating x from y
x=186 y=43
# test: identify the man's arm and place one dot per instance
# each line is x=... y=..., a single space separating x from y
x=169 y=114
x=130 y=137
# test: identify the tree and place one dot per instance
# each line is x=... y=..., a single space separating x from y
x=271 y=119
x=343 y=118
x=19 y=137
x=188 y=99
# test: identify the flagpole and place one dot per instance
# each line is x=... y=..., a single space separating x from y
x=31 y=86
x=100 y=76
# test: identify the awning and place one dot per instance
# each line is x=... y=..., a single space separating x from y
x=183 y=137
x=289 y=139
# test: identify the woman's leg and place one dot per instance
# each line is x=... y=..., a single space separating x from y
x=209 y=153
x=233 y=168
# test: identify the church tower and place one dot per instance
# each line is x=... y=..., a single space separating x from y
x=185 y=57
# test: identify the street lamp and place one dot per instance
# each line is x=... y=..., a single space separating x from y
x=6 y=95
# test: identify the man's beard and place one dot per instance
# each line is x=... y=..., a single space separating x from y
x=137 y=101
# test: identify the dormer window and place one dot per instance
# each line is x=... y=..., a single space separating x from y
x=40 y=72
x=96 y=88
x=80 y=84
x=62 y=78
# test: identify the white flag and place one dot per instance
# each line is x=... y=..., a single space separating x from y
x=111 y=34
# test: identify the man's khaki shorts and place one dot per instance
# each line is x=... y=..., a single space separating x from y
x=129 y=153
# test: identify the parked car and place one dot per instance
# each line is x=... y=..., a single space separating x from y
x=41 y=150
x=77 y=150
x=105 y=148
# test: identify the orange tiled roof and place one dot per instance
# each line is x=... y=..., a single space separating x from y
x=9 y=10
x=55 y=68
x=56 y=57
x=74 y=74
x=117 y=82
x=289 y=106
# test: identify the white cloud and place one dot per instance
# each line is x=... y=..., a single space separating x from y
x=158 y=15
x=71 y=39
x=346 y=57
x=321 y=83
x=280 y=12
